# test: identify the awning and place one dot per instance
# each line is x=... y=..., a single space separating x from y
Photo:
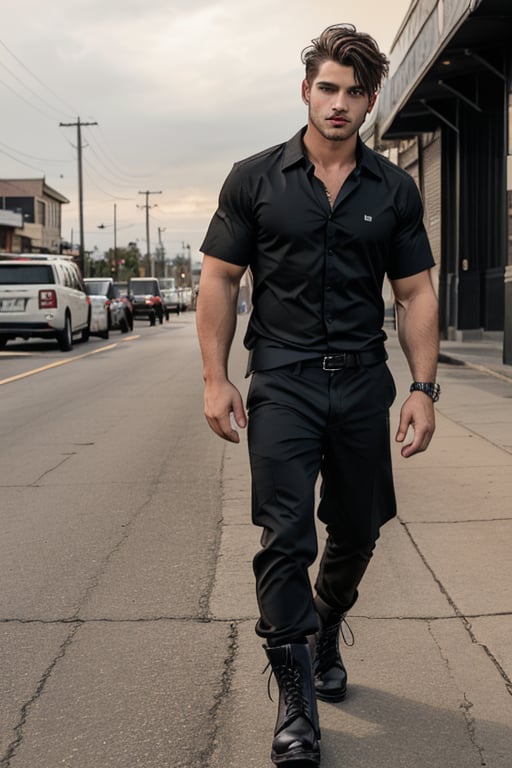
x=439 y=42
x=10 y=219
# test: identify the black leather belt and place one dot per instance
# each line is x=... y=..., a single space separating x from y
x=339 y=360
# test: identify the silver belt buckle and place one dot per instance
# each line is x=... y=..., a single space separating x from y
x=326 y=358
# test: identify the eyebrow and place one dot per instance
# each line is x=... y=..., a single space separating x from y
x=335 y=85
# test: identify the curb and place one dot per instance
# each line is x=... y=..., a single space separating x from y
x=448 y=359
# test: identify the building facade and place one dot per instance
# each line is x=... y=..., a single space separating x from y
x=445 y=114
x=40 y=209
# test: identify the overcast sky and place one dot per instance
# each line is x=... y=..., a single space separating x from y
x=180 y=89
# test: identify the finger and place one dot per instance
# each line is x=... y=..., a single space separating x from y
x=239 y=415
x=419 y=443
x=222 y=427
x=403 y=427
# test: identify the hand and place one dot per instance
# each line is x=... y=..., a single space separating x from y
x=417 y=412
x=220 y=401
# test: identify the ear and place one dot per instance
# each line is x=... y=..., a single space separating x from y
x=305 y=91
x=372 y=103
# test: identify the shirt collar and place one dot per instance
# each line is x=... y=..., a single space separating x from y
x=295 y=153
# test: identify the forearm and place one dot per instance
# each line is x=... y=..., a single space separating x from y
x=216 y=324
x=418 y=333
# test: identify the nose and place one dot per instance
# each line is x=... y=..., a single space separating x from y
x=340 y=102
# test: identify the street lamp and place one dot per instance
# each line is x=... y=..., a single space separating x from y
x=113 y=266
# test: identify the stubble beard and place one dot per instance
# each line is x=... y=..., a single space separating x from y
x=331 y=133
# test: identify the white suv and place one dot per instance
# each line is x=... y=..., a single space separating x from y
x=42 y=296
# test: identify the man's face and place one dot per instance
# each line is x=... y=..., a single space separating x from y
x=337 y=104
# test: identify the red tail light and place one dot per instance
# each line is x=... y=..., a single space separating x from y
x=47 y=299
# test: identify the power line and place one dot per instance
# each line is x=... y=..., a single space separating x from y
x=33 y=106
x=21 y=162
x=112 y=163
x=71 y=109
x=31 y=157
x=104 y=191
x=31 y=90
x=105 y=178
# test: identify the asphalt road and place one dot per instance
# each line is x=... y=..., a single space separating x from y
x=110 y=509
x=127 y=603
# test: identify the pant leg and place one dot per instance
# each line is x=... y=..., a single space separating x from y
x=287 y=417
x=358 y=493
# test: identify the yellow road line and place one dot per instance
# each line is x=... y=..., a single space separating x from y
x=56 y=364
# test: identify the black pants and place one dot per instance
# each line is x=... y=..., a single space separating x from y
x=304 y=421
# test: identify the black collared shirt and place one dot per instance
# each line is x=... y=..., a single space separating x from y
x=318 y=273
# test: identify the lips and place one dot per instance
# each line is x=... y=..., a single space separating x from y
x=338 y=120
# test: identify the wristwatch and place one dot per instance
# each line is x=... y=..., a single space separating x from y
x=428 y=387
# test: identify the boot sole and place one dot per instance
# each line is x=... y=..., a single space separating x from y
x=300 y=759
x=331 y=698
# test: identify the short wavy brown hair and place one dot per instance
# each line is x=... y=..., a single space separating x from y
x=343 y=44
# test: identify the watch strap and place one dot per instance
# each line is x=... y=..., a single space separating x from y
x=429 y=388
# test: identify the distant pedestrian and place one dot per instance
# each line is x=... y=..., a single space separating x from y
x=319 y=220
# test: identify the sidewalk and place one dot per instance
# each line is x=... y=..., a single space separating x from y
x=430 y=672
x=485 y=355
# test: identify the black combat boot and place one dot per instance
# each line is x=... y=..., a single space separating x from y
x=297 y=729
x=329 y=670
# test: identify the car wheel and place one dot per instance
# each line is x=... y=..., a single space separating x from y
x=65 y=337
x=104 y=334
x=3 y=341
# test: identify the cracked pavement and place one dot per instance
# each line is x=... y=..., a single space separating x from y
x=430 y=671
x=127 y=627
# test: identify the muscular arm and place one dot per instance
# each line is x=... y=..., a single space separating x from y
x=216 y=323
x=418 y=333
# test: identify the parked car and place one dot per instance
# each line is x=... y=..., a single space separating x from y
x=121 y=293
x=119 y=315
x=170 y=294
x=99 y=325
x=42 y=296
x=176 y=299
x=146 y=298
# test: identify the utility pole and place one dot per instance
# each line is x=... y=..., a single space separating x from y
x=78 y=125
x=149 y=260
x=161 y=253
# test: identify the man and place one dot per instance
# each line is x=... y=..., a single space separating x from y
x=319 y=220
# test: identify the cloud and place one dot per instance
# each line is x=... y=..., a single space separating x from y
x=180 y=90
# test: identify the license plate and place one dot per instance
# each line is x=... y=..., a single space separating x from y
x=12 y=305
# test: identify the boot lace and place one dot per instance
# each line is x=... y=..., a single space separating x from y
x=288 y=680
x=327 y=648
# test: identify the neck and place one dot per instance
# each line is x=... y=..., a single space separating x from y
x=327 y=152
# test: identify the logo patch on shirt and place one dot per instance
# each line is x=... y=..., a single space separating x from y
x=368 y=218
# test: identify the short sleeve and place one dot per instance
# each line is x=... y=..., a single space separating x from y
x=410 y=250
x=231 y=234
